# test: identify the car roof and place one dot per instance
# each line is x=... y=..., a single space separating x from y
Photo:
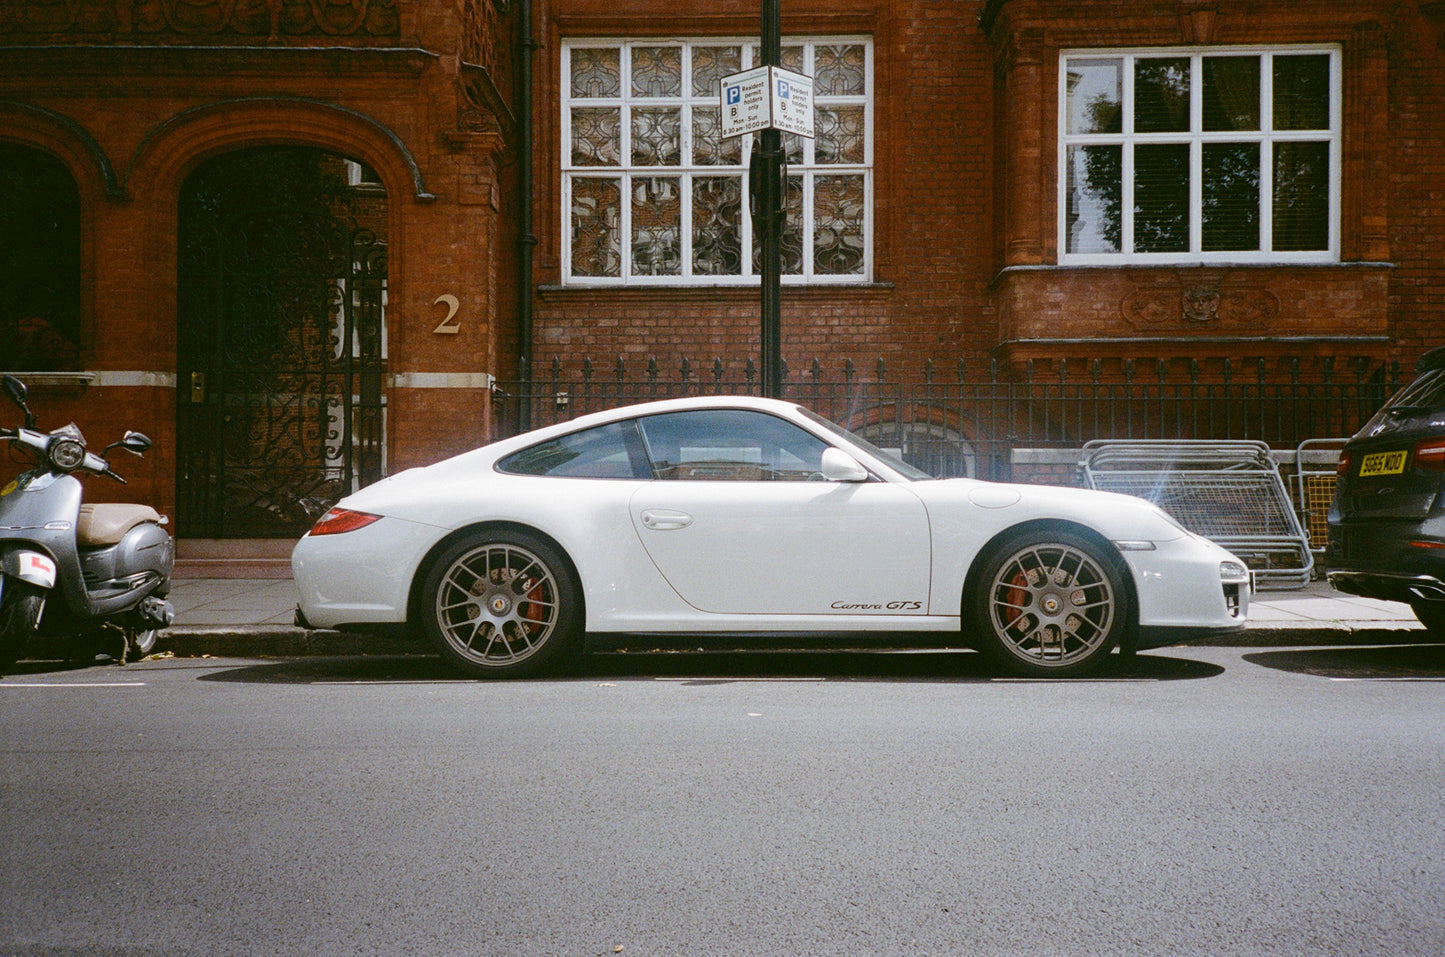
x=593 y=419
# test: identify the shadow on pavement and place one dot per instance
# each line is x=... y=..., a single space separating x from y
x=1393 y=663
x=702 y=668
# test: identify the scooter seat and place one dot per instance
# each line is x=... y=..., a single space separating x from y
x=105 y=523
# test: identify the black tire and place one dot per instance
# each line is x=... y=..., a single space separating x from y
x=1432 y=616
x=1050 y=604
x=502 y=604
x=139 y=643
x=20 y=608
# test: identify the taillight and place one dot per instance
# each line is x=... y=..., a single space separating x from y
x=1430 y=454
x=340 y=520
x=1342 y=467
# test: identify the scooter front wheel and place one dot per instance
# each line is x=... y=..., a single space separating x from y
x=20 y=608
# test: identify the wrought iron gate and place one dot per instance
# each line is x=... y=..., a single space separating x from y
x=281 y=362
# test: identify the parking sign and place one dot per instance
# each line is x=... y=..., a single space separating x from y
x=766 y=98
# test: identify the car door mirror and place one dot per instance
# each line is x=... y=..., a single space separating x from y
x=839 y=466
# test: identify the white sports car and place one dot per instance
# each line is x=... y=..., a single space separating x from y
x=737 y=515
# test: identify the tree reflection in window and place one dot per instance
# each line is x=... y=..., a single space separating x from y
x=1191 y=159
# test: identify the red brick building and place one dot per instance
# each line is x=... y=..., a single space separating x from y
x=288 y=238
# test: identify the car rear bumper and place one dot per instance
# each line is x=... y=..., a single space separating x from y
x=1389 y=586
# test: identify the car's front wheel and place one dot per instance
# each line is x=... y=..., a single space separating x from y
x=502 y=604
x=1050 y=603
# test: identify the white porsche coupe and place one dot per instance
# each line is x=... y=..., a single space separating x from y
x=738 y=515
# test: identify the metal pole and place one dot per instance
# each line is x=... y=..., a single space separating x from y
x=771 y=193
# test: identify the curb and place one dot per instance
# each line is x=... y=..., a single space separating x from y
x=278 y=641
x=285 y=641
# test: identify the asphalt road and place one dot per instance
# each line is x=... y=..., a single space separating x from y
x=1213 y=801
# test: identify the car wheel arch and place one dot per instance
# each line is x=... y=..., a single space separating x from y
x=423 y=568
x=1004 y=536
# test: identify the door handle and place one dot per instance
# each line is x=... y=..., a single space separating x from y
x=665 y=519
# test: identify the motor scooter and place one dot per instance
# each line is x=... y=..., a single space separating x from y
x=76 y=580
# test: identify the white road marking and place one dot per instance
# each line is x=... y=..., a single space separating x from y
x=71 y=684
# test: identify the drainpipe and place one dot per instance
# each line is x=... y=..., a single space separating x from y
x=527 y=241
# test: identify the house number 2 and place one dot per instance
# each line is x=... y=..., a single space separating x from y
x=450 y=326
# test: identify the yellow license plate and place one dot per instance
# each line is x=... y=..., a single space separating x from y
x=1383 y=463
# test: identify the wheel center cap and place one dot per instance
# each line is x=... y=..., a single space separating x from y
x=499 y=604
x=1051 y=604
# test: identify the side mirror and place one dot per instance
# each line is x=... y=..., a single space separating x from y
x=15 y=389
x=839 y=466
x=133 y=442
x=17 y=392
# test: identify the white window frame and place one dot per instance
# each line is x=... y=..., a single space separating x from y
x=1266 y=136
x=686 y=171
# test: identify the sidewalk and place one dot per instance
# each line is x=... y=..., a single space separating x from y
x=252 y=617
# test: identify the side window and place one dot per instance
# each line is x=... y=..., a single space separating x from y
x=608 y=452
x=730 y=445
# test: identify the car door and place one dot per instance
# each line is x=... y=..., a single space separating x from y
x=740 y=522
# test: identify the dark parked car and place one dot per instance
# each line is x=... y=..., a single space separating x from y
x=1387 y=522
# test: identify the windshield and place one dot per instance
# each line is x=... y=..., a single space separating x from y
x=888 y=458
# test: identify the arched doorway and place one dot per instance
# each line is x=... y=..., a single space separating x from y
x=281 y=347
x=39 y=263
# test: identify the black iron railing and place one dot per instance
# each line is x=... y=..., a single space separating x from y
x=967 y=424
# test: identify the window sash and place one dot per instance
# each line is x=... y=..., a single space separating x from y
x=1094 y=140
x=668 y=217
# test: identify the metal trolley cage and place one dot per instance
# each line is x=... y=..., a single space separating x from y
x=1231 y=492
x=1314 y=479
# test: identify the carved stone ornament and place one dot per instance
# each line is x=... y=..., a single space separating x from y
x=1219 y=302
x=1201 y=304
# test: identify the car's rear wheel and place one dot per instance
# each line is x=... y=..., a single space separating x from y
x=502 y=604
x=1051 y=603
x=1432 y=616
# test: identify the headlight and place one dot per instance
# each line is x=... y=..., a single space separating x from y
x=1233 y=572
x=65 y=454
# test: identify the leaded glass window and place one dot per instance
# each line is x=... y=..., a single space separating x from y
x=1199 y=155
x=654 y=194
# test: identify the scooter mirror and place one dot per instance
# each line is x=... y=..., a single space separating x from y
x=135 y=442
x=15 y=389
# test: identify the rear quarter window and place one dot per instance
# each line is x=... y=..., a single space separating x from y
x=607 y=452
x=1427 y=391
